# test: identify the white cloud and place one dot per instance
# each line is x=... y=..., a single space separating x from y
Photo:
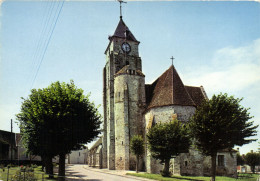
x=232 y=69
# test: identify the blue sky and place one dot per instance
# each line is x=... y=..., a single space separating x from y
x=215 y=44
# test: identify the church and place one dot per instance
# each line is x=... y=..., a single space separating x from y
x=132 y=107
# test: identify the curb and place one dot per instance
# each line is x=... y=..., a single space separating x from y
x=124 y=175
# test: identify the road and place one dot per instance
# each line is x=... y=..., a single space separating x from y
x=78 y=172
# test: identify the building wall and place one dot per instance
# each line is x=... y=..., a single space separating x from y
x=164 y=114
x=129 y=98
x=78 y=157
x=115 y=60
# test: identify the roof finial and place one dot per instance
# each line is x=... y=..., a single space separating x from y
x=172 y=59
x=121 y=1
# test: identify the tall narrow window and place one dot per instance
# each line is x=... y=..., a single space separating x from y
x=220 y=160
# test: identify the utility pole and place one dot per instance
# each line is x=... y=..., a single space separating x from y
x=11 y=141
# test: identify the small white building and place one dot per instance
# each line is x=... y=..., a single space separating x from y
x=78 y=157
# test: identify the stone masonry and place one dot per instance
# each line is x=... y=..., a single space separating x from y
x=132 y=107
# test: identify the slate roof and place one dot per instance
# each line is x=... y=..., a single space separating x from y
x=169 y=89
x=125 y=70
x=122 y=31
x=197 y=94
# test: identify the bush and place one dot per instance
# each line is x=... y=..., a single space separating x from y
x=165 y=173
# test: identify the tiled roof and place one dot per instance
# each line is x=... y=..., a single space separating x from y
x=122 y=31
x=168 y=89
x=126 y=70
x=197 y=94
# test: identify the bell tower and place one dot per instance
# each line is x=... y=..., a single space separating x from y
x=123 y=97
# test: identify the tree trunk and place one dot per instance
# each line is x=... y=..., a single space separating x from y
x=137 y=163
x=166 y=168
x=61 y=167
x=43 y=163
x=49 y=166
x=253 y=168
x=213 y=166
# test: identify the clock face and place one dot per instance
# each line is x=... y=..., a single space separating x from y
x=126 y=47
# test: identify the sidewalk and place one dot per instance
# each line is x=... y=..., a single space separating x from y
x=116 y=172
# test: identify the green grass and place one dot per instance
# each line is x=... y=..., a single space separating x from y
x=38 y=174
x=242 y=177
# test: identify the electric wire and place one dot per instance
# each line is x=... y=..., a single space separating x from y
x=41 y=37
x=48 y=41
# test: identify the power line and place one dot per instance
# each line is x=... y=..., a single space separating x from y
x=41 y=36
x=48 y=41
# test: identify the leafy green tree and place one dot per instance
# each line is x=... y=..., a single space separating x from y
x=252 y=159
x=168 y=140
x=240 y=159
x=221 y=123
x=58 y=119
x=137 y=147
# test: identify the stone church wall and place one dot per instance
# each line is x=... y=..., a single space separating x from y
x=164 y=114
x=129 y=94
x=194 y=163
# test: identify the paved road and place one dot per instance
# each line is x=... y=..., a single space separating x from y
x=78 y=172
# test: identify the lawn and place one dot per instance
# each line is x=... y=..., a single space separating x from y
x=242 y=177
x=14 y=173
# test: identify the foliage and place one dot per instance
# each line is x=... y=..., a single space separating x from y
x=240 y=159
x=168 y=140
x=57 y=119
x=137 y=147
x=221 y=123
x=252 y=159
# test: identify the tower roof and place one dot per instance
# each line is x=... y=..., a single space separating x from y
x=122 y=31
x=167 y=90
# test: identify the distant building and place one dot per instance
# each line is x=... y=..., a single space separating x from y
x=7 y=145
x=21 y=150
x=78 y=157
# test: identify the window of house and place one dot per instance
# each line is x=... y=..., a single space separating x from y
x=220 y=160
x=186 y=163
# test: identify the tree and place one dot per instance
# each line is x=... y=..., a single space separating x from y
x=168 y=140
x=137 y=147
x=221 y=123
x=240 y=159
x=58 y=119
x=252 y=159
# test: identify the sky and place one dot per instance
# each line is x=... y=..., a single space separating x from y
x=215 y=44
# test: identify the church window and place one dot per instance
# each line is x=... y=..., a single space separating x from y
x=122 y=143
x=220 y=160
x=79 y=153
x=127 y=62
x=133 y=72
x=186 y=163
x=118 y=94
